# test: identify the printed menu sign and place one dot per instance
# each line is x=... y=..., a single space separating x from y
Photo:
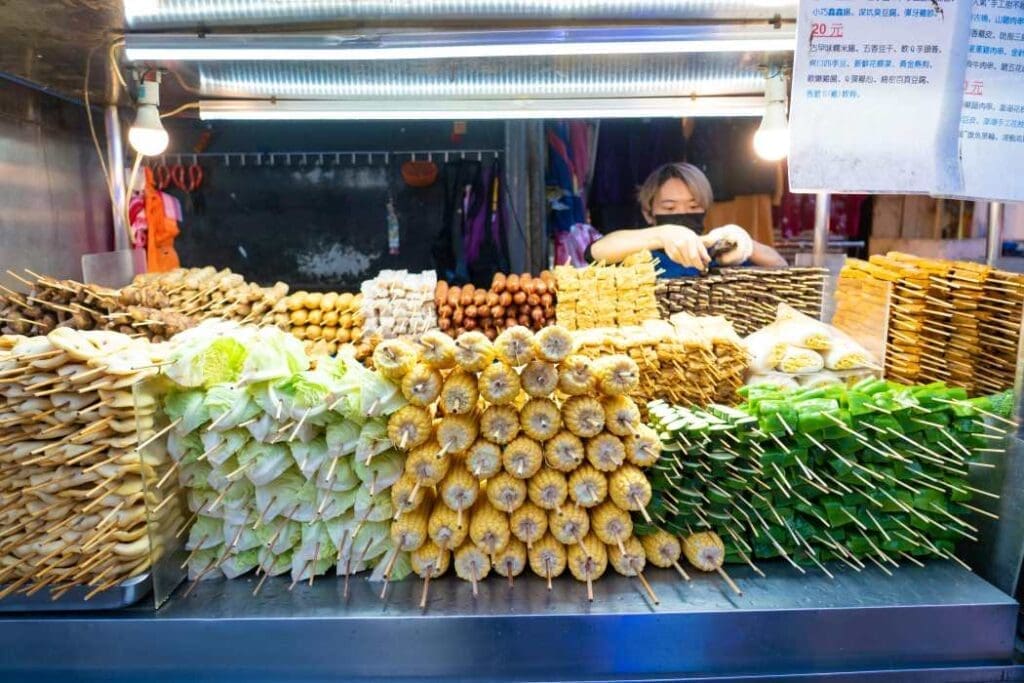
x=877 y=95
x=992 y=123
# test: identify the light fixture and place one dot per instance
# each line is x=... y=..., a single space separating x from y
x=771 y=141
x=147 y=135
x=460 y=44
x=443 y=110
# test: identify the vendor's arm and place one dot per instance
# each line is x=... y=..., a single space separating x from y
x=765 y=256
x=682 y=245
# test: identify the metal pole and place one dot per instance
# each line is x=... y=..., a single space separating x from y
x=115 y=165
x=994 y=246
x=536 y=228
x=517 y=184
x=822 y=216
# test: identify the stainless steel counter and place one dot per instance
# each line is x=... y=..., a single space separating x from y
x=920 y=624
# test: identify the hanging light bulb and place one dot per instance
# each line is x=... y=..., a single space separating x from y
x=771 y=141
x=147 y=135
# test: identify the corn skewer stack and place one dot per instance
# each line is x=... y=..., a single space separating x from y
x=527 y=444
x=74 y=489
x=873 y=474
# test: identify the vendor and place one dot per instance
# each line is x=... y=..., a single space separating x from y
x=675 y=199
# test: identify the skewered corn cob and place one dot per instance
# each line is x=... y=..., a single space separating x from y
x=456 y=433
x=472 y=564
x=628 y=559
x=548 y=489
x=505 y=492
x=499 y=424
x=429 y=562
x=422 y=385
x=575 y=377
x=406 y=495
x=540 y=418
x=539 y=379
x=616 y=375
x=489 y=528
x=409 y=531
x=425 y=466
x=564 y=452
x=629 y=488
x=522 y=458
x=444 y=527
x=499 y=384
x=438 y=349
x=394 y=358
x=459 y=491
x=552 y=344
x=643 y=448
x=706 y=551
x=510 y=561
x=588 y=486
x=459 y=394
x=529 y=523
x=569 y=525
x=547 y=558
x=473 y=351
x=606 y=452
x=662 y=549
x=583 y=416
x=409 y=427
x=483 y=459
x=621 y=415
x=514 y=346
x=588 y=561
x=611 y=524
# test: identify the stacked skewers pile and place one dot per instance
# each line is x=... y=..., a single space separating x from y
x=325 y=321
x=677 y=363
x=948 y=321
x=205 y=293
x=877 y=473
x=512 y=300
x=607 y=296
x=73 y=488
x=398 y=303
x=287 y=466
x=746 y=296
x=534 y=459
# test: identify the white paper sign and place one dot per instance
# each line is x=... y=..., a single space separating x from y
x=877 y=94
x=992 y=125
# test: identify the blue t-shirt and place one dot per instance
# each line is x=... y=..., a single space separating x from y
x=674 y=270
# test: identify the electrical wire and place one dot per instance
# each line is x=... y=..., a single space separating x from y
x=113 y=62
x=178 y=110
x=92 y=126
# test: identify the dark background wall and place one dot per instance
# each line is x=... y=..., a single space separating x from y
x=318 y=225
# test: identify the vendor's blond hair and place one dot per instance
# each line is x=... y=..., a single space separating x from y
x=692 y=177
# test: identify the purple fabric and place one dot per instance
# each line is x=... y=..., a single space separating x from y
x=474 y=228
x=571 y=245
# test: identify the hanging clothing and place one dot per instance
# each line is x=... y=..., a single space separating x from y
x=472 y=244
x=627 y=152
x=753 y=213
x=566 y=175
x=161 y=229
x=795 y=214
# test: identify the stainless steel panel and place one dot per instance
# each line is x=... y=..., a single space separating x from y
x=937 y=616
x=168 y=14
x=528 y=77
x=128 y=593
x=53 y=197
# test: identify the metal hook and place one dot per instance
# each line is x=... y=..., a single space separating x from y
x=241 y=158
x=227 y=160
x=337 y=159
x=446 y=157
x=320 y=161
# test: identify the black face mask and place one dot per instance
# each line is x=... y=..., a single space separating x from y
x=693 y=221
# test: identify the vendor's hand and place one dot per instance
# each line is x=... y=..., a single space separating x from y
x=684 y=246
x=735 y=234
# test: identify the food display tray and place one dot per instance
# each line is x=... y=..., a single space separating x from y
x=125 y=594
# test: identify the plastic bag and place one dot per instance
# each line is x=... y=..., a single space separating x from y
x=798 y=361
x=764 y=349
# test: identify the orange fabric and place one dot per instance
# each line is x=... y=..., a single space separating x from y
x=751 y=212
x=160 y=253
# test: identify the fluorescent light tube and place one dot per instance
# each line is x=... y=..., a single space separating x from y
x=401 y=110
x=459 y=45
